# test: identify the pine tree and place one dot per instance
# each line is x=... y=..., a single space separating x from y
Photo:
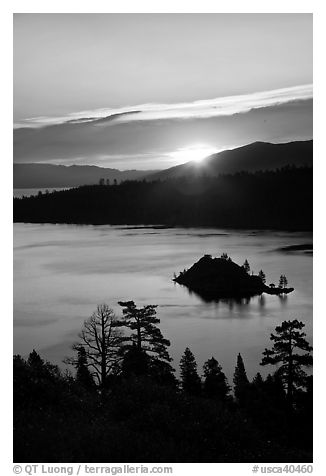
x=241 y=382
x=262 y=276
x=190 y=379
x=274 y=389
x=135 y=362
x=34 y=359
x=281 y=282
x=288 y=340
x=83 y=375
x=215 y=383
x=246 y=266
x=258 y=380
x=145 y=337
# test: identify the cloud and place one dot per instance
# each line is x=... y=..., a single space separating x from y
x=223 y=106
x=148 y=139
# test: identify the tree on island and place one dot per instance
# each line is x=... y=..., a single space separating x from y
x=241 y=382
x=215 y=383
x=283 y=282
x=262 y=276
x=102 y=341
x=289 y=339
x=190 y=380
x=146 y=343
x=246 y=266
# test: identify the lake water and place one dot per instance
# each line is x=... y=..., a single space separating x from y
x=61 y=272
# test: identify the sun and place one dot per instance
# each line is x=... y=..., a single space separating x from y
x=195 y=153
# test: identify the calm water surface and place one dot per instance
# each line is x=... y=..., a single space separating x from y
x=62 y=271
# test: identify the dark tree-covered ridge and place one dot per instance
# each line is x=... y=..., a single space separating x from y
x=280 y=199
x=63 y=417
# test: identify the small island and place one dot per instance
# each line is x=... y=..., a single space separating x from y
x=217 y=278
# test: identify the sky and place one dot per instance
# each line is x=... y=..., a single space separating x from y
x=149 y=91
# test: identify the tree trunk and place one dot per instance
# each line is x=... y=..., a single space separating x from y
x=138 y=336
x=290 y=376
x=103 y=357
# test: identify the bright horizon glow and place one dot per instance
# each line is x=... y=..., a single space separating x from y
x=195 y=153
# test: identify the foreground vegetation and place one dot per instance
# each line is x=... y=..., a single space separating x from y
x=280 y=199
x=124 y=404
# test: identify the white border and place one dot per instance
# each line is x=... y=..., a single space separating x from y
x=173 y=6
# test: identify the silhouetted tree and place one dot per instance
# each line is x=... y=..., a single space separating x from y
x=101 y=181
x=224 y=256
x=274 y=388
x=240 y=380
x=246 y=266
x=262 y=276
x=135 y=362
x=102 y=340
x=83 y=374
x=215 y=383
x=258 y=380
x=283 y=282
x=107 y=182
x=145 y=335
x=287 y=340
x=34 y=359
x=161 y=372
x=190 y=379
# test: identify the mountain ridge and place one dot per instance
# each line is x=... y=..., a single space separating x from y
x=34 y=175
x=252 y=157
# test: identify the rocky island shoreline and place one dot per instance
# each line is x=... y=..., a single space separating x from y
x=216 y=278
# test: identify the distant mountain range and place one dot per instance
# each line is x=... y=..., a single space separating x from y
x=249 y=158
x=48 y=175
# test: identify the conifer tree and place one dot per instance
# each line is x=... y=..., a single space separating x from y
x=258 y=380
x=290 y=352
x=145 y=337
x=281 y=282
x=262 y=276
x=240 y=380
x=34 y=359
x=190 y=379
x=215 y=383
x=246 y=266
x=83 y=375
